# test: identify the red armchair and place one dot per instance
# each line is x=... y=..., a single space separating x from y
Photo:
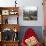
x=29 y=34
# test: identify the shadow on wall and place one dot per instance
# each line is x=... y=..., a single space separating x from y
x=37 y=29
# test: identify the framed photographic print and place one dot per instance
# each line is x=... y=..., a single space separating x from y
x=13 y=12
x=5 y=12
x=30 y=13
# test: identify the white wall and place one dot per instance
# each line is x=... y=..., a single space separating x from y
x=22 y=4
x=38 y=4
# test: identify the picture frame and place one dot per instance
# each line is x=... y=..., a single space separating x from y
x=5 y=12
x=30 y=13
x=13 y=12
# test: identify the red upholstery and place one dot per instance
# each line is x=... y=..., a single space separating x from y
x=29 y=33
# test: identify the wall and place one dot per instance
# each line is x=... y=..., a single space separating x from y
x=22 y=4
x=38 y=30
x=39 y=22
